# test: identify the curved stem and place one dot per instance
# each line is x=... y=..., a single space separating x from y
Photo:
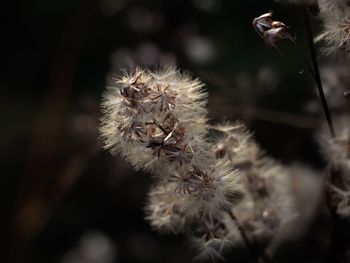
x=308 y=65
x=317 y=74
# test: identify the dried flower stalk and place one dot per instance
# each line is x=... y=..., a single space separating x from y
x=211 y=181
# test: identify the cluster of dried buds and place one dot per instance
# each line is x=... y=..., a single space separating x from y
x=205 y=185
x=269 y=30
x=157 y=121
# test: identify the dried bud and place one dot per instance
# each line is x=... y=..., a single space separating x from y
x=269 y=30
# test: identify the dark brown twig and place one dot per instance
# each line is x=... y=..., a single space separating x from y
x=317 y=74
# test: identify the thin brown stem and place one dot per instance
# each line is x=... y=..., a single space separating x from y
x=317 y=76
x=309 y=67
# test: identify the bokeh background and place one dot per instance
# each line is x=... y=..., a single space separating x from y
x=63 y=198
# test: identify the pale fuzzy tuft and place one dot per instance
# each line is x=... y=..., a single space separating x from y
x=336 y=33
x=213 y=187
x=157 y=121
x=233 y=143
x=154 y=119
x=166 y=210
x=337 y=37
x=213 y=235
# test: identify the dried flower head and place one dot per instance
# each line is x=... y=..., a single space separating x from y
x=154 y=119
x=204 y=184
x=157 y=121
x=166 y=209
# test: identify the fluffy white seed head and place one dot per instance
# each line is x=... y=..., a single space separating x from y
x=205 y=183
x=154 y=119
x=212 y=187
x=336 y=33
x=166 y=210
x=213 y=235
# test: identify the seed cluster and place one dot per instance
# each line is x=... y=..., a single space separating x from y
x=210 y=180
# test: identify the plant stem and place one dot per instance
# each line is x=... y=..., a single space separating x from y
x=317 y=76
x=309 y=67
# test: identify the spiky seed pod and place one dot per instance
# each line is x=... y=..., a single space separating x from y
x=155 y=119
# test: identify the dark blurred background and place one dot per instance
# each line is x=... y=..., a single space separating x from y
x=63 y=198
